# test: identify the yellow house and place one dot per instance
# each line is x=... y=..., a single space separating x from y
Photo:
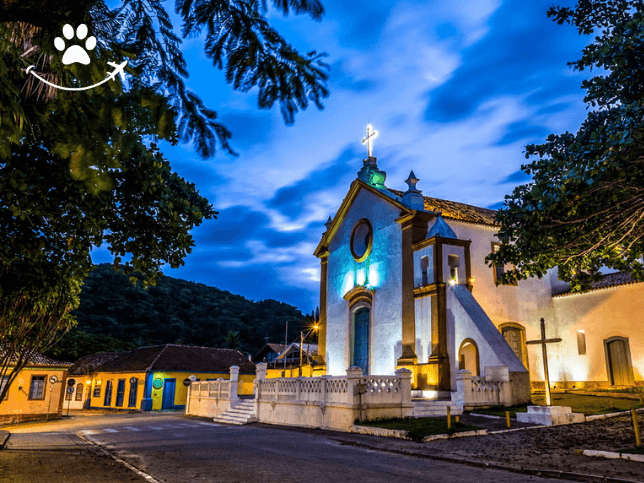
x=37 y=392
x=82 y=372
x=153 y=378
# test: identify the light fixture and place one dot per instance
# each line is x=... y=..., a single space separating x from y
x=452 y=281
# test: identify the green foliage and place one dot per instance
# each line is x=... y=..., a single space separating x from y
x=115 y=315
x=418 y=428
x=584 y=208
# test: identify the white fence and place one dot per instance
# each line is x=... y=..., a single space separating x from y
x=210 y=398
x=497 y=387
x=332 y=402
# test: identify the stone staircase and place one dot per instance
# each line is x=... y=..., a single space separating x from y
x=427 y=408
x=242 y=413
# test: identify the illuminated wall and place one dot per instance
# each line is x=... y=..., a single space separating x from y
x=600 y=314
x=382 y=271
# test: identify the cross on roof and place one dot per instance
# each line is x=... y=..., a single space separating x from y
x=543 y=341
x=371 y=134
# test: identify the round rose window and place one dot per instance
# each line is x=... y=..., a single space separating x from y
x=361 y=239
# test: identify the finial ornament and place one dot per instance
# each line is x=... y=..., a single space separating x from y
x=411 y=181
x=371 y=135
x=328 y=223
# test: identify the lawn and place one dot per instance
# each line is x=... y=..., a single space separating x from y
x=579 y=403
x=420 y=427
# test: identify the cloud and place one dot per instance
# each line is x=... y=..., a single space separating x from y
x=516 y=177
x=522 y=131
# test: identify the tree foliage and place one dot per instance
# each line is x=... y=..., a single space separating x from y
x=584 y=207
x=81 y=168
x=115 y=315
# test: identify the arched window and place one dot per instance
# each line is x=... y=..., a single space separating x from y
x=468 y=357
x=514 y=335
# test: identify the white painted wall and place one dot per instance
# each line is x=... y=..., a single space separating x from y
x=423 y=313
x=384 y=266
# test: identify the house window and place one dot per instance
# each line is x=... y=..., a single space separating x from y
x=424 y=265
x=581 y=342
x=79 y=392
x=37 y=387
x=134 y=387
x=499 y=270
x=108 y=393
x=97 y=389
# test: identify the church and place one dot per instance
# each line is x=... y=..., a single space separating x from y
x=404 y=284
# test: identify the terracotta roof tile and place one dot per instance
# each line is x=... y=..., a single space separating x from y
x=172 y=357
x=609 y=280
x=41 y=360
x=90 y=363
x=458 y=211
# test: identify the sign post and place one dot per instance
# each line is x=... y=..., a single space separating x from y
x=70 y=390
x=543 y=341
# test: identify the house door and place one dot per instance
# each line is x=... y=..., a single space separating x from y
x=361 y=339
x=120 y=393
x=618 y=363
x=168 y=394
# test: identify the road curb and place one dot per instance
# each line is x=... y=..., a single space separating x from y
x=614 y=455
x=4 y=437
x=563 y=475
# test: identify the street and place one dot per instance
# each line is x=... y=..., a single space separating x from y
x=173 y=448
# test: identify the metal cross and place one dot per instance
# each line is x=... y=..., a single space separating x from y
x=371 y=134
x=543 y=341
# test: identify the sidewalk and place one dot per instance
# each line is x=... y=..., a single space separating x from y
x=58 y=458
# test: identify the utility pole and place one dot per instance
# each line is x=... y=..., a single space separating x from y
x=285 y=344
x=301 y=345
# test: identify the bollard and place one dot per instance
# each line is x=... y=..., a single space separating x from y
x=449 y=418
x=457 y=419
x=636 y=427
x=507 y=418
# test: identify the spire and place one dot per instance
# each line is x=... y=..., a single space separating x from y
x=412 y=198
x=442 y=229
x=328 y=223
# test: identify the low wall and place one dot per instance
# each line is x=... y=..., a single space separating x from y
x=208 y=399
x=498 y=387
x=332 y=402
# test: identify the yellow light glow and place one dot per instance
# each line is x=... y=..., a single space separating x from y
x=316 y=327
x=472 y=280
x=452 y=281
x=88 y=382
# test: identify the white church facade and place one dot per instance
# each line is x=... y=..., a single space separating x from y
x=404 y=284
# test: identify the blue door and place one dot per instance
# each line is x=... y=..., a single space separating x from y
x=120 y=392
x=168 y=394
x=361 y=339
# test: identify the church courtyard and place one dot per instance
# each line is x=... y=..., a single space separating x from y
x=170 y=447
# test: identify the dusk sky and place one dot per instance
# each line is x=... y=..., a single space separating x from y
x=455 y=89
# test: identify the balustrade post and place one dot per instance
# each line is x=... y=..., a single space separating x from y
x=234 y=384
x=405 y=384
x=463 y=387
x=298 y=388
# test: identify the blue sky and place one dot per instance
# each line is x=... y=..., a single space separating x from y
x=455 y=89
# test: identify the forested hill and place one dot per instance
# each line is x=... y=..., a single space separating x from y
x=115 y=315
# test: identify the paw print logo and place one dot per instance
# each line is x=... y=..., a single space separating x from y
x=75 y=53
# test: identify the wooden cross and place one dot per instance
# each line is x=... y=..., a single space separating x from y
x=371 y=134
x=543 y=341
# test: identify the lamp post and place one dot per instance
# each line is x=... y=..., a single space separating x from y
x=302 y=337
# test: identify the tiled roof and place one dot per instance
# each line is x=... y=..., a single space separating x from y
x=41 y=360
x=609 y=280
x=458 y=211
x=90 y=363
x=172 y=357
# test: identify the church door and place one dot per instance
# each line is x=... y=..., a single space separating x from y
x=618 y=363
x=361 y=339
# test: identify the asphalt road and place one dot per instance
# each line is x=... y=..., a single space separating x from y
x=172 y=448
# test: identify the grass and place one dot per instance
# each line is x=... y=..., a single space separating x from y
x=418 y=428
x=579 y=403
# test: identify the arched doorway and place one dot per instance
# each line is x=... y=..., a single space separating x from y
x=361 y=339
x=468 y=357
x=618 y=361
x=514 y=335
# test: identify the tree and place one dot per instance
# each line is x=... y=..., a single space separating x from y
x=584 y=207
x=79 y=169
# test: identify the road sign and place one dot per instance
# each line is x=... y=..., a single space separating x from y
x=133 y=380
x=70 y=390
x=53 y=379
x=71 y=382
x=187 y=381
